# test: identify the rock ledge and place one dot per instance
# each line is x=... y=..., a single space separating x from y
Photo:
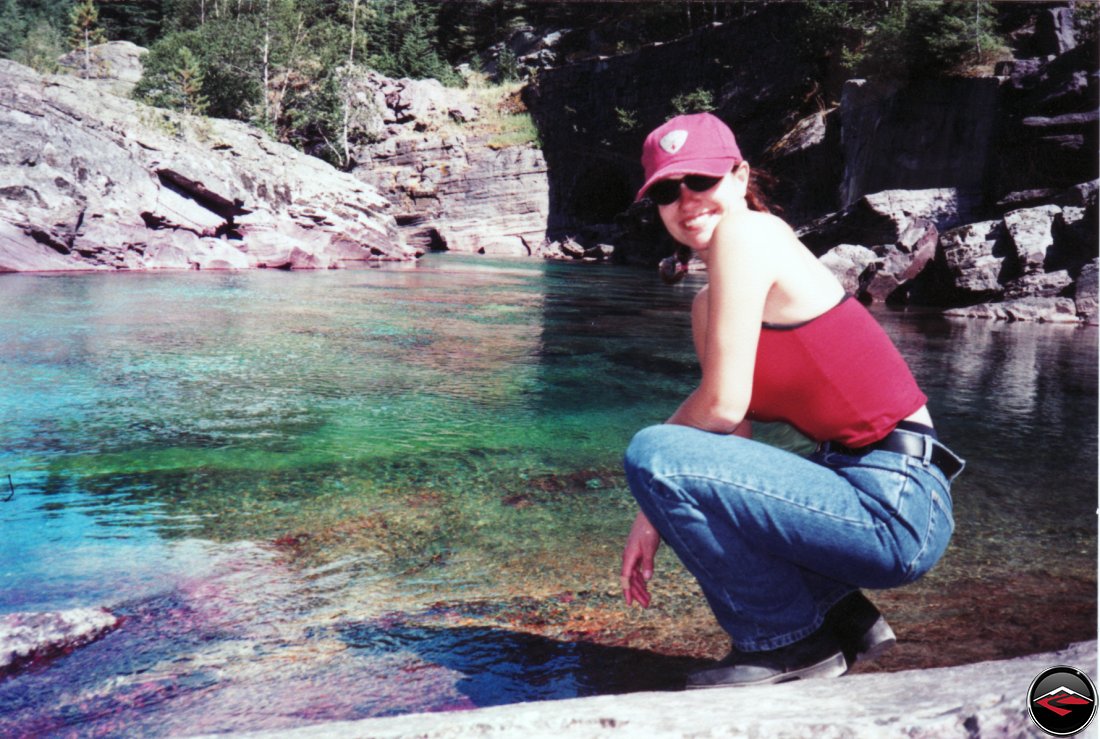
x=977 y=700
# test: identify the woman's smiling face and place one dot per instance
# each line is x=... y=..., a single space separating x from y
x=692 y=218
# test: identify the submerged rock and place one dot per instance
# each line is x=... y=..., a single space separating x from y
x=27 y=637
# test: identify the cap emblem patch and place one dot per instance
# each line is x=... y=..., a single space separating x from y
x=673 y=141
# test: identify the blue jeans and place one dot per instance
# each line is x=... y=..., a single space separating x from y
x=774 y=538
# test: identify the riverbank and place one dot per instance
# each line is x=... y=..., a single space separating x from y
x=982 y=699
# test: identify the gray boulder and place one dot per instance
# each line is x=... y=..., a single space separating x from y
x=103 y=182
x=901 y=263
x=882 y=218
x=1036 y=249
x=1039 y=285
x=972 y=259
x=1031 y=233
x=114 y=66
x=849 y=262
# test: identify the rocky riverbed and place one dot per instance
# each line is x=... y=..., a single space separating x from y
x=27 y=638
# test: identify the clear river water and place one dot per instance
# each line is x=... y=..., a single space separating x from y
x=337 y=495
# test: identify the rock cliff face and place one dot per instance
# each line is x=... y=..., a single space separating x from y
x=949 y=192
x=90 y=180
x=451 y=187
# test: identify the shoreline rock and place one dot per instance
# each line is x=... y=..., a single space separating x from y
x=31 y=637
x=101 y=182
x=1035 y=263
x=981 y=699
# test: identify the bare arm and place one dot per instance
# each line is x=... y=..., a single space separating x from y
x=726 y=319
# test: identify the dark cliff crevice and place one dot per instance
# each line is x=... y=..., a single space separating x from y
x=592 y=116
x=201 y=195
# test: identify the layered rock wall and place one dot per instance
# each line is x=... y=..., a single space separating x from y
x=456 y=193
x=453 y=186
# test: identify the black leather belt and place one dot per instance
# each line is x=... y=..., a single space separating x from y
x=909 y=444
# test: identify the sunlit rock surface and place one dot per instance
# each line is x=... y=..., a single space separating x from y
x=115 y=66
x=453 y=186
x=977 y=700
x=1030 y=264
x=92 y=180
x=27 y=637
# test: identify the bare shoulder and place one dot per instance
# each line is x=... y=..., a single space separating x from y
x=752 y=222
x=755 y=230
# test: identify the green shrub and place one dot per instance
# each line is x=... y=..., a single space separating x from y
x=40 y=48
x=507 y=66
x=626 y=120
x=1086 y=21
x=402 y=43
x=516 y=130
x=696 y=101
x=225 y=58
x=13 y=28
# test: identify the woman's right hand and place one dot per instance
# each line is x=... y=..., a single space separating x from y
x=641 y=546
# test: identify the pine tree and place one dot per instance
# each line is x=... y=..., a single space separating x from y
x=84 y=30
x=189 y=79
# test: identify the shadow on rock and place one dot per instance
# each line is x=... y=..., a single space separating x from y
x=498 y=666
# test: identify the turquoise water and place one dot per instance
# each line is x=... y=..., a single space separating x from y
x=319 y=496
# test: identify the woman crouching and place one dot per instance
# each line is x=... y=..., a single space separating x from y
x=780 y=543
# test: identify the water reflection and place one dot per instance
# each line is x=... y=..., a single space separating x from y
x=1018 y=401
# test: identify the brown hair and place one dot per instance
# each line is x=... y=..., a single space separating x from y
x=755 y=196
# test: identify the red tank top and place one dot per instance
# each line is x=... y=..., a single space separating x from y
x=837 y=377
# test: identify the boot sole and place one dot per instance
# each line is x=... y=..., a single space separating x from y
x=833 y=666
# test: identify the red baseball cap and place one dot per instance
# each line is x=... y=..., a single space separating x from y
x=689 y=144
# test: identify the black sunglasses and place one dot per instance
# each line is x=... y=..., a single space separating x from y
x=666 y=192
